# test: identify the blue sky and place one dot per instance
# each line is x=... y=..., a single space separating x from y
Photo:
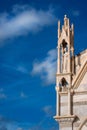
x=28 y=40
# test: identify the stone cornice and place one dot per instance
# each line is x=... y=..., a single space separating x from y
x=67 y=116
x=75 y=92
x=62 y=74
x=79 y=92
x=63 y=93
x=65 y=119
x=74 y=103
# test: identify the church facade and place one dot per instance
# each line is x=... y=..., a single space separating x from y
x=71 y=81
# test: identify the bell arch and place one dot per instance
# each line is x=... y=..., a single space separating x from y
x=64 y=45
x=63 y=84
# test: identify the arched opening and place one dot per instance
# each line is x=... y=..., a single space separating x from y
x=65 y=46
x=63 y=84
x=63 y=56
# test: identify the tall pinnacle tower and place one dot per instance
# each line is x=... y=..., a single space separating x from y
x=71 y=70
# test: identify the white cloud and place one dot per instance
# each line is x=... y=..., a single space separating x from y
x=76 y=13
x=46 y=68
x=22 y=20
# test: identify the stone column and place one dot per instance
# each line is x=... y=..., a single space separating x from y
x=57 y=102
x=58 y=29
x=69 y=64
x=69 y=102
x=62 y=59
x=73 y=66
x=58 y=60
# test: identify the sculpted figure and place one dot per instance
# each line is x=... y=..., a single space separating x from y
x=65 y=60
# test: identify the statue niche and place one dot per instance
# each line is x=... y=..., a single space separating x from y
x=64 y=57
x=63 y=84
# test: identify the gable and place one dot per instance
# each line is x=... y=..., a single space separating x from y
x=79 y=77
x=83 y=84
x=80 y=59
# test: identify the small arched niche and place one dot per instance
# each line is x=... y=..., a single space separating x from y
x=65 y=46
x=63 y=56
x=63 y=84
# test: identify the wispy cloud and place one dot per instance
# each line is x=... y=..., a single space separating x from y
x=3 y=128
x=19 y=129
x=23 y=95
x=1 y=89
x=46 y=120
x=48 y=110
x=41 y=128
x=76 y=13
x=20 y=68
x=23 y=20
x=7 y=124
x=3 y=96
x=46 y=68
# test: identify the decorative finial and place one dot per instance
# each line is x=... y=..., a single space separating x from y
x=65 y=16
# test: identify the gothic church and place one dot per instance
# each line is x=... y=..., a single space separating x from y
x=71 y=81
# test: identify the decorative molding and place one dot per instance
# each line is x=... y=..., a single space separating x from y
x=63 y=93
x=65 y=121
x=74 y=92
x=74 y=103
x=62 y=74
x=80 y=103
x=65 y=118
x=79 y=92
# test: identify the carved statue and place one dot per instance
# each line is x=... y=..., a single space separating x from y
x=65 y=60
